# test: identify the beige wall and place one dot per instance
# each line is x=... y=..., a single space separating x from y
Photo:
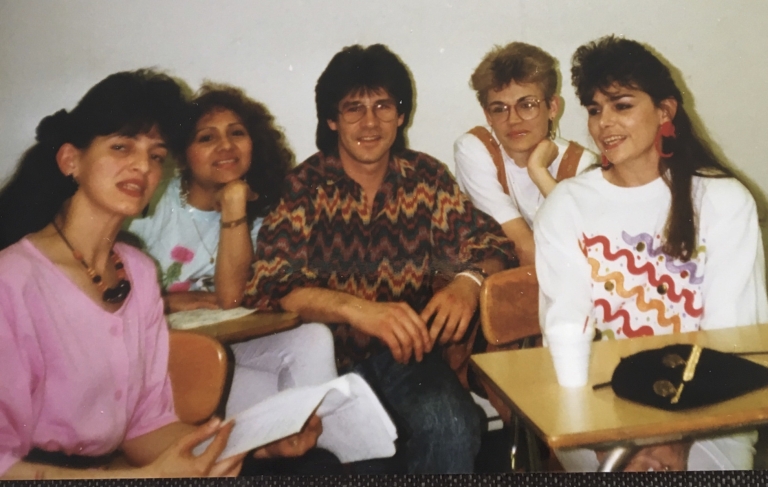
x=52 y=51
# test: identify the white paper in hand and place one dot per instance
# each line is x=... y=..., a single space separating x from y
x=355 y=424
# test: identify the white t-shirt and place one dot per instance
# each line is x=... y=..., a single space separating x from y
x=599 y=259
x=183 y=241
x=477 y=176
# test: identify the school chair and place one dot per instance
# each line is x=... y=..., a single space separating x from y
x=197 y=366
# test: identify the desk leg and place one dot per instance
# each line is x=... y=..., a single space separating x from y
x=617 y=458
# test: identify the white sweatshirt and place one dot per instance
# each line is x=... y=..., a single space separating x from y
x=599 y=259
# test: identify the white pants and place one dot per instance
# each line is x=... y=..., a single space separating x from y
x=733 y=452
x=264 y=366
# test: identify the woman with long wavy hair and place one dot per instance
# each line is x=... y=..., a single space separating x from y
x=662 y=239
x=202 y=233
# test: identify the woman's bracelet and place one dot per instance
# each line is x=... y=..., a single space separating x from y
x=470 y=275
x=234 y=223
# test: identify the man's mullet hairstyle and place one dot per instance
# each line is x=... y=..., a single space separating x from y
x=359 y=70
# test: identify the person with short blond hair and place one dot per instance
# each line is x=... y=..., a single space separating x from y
x=509 y=167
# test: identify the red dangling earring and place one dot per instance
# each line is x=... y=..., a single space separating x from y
x=667 y=129
x=604 y=162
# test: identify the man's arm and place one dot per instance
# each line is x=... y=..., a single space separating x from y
x=395 y=324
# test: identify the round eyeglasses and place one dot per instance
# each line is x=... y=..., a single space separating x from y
x=526 y=109
x=385 y=110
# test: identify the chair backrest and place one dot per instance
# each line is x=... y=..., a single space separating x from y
x=197 y=366
x=509 y=306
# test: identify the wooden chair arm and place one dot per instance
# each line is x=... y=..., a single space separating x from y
x=509 y=306
x=197 y=366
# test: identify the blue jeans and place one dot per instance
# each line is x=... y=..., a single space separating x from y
x=438 y=423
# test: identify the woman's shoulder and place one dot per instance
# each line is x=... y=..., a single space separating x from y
x=468 y=142
x=135 y=260
x=726 y=195
x=169 y=194
x=22 y=265
x=19 y=256
x=17 y=259
x=589 y=180
x=574 y=194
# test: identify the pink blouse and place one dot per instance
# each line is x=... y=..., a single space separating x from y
x=73 y=377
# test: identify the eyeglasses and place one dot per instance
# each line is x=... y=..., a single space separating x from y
x=385 y=110
x=526 y=109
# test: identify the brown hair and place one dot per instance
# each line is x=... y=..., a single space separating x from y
x=518 y=62
x=358 y=69
x=610 y=61
x=271 y=156
x=127 y=103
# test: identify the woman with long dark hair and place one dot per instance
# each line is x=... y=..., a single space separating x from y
x=83 y=339
x=662 y=239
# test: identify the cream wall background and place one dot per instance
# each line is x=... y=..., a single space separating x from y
x=51 y=52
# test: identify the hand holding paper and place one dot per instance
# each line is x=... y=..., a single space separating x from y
x=355 y=425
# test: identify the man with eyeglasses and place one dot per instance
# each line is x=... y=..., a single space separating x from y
x=508 y=170
x=355 y=242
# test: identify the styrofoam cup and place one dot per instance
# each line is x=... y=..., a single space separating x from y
x=570 y=349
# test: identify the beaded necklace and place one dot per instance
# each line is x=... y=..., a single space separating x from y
x=112 y=295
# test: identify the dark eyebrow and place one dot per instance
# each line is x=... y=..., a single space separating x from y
x=611 y=97
x=351 y=103
x=620 y=95
x=374 y=102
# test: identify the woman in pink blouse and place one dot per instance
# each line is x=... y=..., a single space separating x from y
x=83 y=340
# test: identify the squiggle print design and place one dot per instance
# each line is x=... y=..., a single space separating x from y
x=643 y=305
x=628 y=276
x=688 y=267
x=624 y=315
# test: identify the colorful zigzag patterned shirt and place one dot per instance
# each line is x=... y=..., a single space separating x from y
x=639 y=290
x=600 y=262
x=322 y=234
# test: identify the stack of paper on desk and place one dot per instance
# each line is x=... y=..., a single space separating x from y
x=355 y=425
x=186 y=320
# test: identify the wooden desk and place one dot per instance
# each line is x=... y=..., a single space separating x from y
x=580 y=417
x=250 y=326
